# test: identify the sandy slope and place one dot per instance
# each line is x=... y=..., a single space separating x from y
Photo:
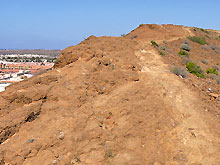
x=194 y=132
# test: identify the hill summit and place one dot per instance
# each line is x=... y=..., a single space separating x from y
x=150 y=97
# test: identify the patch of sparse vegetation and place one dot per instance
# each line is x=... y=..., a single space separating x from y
x=185 y=47
x=165 y=42
x=205 y=31
x=215 y=48
x=216 y=67
x=123 y=35
x=154 y=43
x=141 y=25
x=215 y=77
x=109 y=153
x=212 y=71
x=162 y=53
x=204 y=62
x=185 y=60
x=207 y=36
x=195 y=29
x=199 y=40
x=183 y=53
x=206 y=47
x=134 y=36
x=195 y=69
x=186 y=42
x=163 y=48
x=113 y=67
x=77 y=159
x=179 y=72
x=218 y=38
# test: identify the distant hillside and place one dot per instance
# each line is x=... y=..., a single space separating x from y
x=53 y=52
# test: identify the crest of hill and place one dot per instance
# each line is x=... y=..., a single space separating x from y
x=159 y=32
x=143 y=32
x=113 y=100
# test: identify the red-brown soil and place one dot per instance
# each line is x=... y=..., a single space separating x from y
x=113 y=100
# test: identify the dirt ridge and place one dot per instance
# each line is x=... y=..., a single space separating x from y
x=113 y=100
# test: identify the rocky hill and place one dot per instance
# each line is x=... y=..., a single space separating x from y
x=150 y=97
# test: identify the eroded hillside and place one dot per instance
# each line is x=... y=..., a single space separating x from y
x=115 y=100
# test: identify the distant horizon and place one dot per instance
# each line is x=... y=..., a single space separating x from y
x=54 y=24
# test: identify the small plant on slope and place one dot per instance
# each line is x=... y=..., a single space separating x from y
x=162 y=53
x=133 y=36
x=199 y=40
x=163 y=48
x=185 y=47
x=195 y=69
x=109 y=153
x=183 y=53
x=204 y=62
x=205 y=31
x=179 y=72
x=154 y=44
x=185 y=60
x=212 y=71
x=215 y=77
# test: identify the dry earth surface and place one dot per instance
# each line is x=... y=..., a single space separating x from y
x=114 y=100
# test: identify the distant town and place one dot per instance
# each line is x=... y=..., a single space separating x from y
x=17 y=65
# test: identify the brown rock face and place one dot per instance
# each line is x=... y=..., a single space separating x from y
x=113 y=100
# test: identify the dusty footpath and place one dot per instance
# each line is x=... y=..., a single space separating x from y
x=113 y=100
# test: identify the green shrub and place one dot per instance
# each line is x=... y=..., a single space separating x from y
x=185 y=47
x=154 y=43
x=162 y=53
x=123 y=35
x=186 y=42
x=207 y=36
x=199 y=40
x=212 y=71
x=218 y=38
x=195 y=69
x=205 y=31
x=179 y=72
x=183 y=53
x=163 y=48
x=141 y=25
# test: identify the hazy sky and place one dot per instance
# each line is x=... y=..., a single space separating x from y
x=56 y=24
